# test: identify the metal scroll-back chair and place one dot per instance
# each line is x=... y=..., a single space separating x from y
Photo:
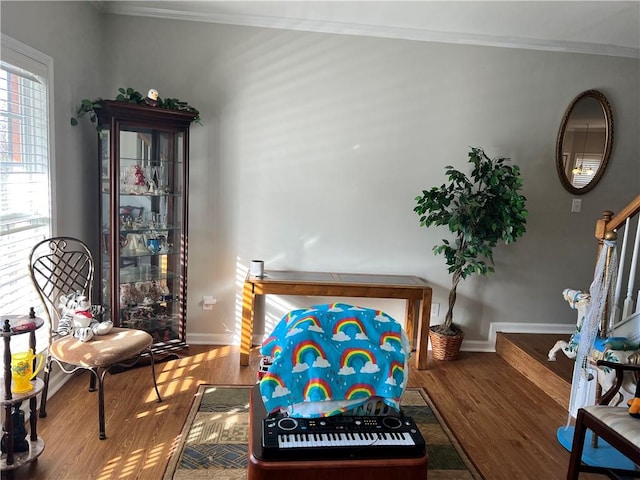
x=64 y=265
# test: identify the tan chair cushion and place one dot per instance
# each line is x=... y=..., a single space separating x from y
x=618 y=419
x=102 y=350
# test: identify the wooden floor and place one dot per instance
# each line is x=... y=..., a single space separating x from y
x=504 y=422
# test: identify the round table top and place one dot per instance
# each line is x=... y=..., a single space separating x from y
x=16 y=324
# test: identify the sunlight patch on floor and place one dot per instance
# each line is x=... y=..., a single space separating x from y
x=219 y=352
x=180 y=384
x=139 y=460
x=131 y=465
x=109 y=469
x=155 y=455
x=159 y=409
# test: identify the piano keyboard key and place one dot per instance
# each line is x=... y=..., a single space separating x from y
x=353 y=439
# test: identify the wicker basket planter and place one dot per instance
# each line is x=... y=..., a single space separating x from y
x=445 y=347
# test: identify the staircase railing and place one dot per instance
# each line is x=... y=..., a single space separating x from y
x=623 y=316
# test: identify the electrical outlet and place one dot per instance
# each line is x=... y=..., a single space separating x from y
x=208 y=302
x=435 y=310
x=576 y=205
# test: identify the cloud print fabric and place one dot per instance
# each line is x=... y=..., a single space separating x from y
x=332 y=358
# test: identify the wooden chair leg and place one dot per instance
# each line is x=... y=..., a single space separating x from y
x=576 y=448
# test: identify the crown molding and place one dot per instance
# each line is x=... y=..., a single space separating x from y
x=381 y=31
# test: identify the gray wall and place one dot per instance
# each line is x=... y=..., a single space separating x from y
x=72 y=34
x=315 y=145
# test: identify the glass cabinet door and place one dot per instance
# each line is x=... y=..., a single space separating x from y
x=143 y=213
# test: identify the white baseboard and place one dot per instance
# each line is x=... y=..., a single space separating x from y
x=219 y=339
x=211 y=339
x=488 y=345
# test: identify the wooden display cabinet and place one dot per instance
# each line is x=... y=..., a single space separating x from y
x=144 y=161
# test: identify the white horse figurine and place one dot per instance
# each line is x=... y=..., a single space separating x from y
x=578 y=300
x=614 y=349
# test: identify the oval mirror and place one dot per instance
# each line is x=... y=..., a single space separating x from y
x=584 y=142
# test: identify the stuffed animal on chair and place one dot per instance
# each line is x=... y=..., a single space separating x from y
x=79 y=318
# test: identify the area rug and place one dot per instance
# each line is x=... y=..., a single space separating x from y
x=213 y=441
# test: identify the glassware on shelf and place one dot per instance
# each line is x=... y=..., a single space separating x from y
x=160 y=220
x=160 y=179
x=126 y=179
x=154 y=220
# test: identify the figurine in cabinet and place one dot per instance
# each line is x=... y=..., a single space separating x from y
x=141 y=184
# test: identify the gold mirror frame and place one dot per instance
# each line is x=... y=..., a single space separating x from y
x=571 y=161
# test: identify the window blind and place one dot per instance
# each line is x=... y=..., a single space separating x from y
x=590 y=165
x=25 y=167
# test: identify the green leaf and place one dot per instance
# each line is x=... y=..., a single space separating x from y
x=479 y=210
x=132 y=96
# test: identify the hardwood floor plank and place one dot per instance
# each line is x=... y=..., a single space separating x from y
x=505 y=424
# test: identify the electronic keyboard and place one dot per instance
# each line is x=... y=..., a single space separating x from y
x=341 y=437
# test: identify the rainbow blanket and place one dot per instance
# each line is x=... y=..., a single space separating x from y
x=329 y=359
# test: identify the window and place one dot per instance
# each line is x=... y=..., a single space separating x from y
x=25 y=167
x=586 y=167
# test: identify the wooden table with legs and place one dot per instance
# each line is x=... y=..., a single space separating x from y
x=323 y=284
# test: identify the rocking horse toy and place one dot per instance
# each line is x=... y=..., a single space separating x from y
x=578 y=300
x=612 y=349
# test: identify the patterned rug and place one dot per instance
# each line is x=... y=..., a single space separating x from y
x=213 y=442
